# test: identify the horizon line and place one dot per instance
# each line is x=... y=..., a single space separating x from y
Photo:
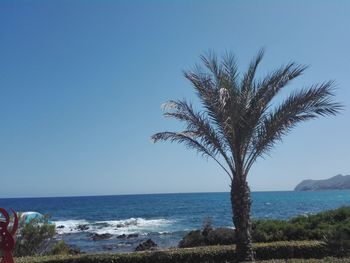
x=133 y=194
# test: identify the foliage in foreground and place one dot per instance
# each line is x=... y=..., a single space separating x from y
x=332 y=227
x=338 y=240
x=328 y=224
x=60 y=248
x=217 y=254
x=312 y=260
x=34 y=237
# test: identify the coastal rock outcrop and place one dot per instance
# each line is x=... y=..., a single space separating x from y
x=124 y=236
x=149 y=244
x=96 y=237
x=337 y=182
x=82 y=227
x=132 y=236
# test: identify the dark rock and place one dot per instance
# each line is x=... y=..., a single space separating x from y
x=60 y=227
x=82 y=227
x=149 y=244
x=123 y=236
x=132 y=236
x=96 y=237
x=119 y=225
x=215 y=236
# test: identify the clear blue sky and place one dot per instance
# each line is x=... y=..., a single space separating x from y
x=82 y=83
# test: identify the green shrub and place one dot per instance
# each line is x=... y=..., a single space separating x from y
x=34 y=237
x=221 y=236
x=192 y=239
x=312 y=227
x=268 y=230
x=338 y=240
x=313 y=260
x=207 y=227
x=60 y=248
x=287 y=249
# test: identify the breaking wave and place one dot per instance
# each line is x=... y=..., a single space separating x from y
x=114 y=227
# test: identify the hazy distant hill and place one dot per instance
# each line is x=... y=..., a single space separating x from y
x=337 y=182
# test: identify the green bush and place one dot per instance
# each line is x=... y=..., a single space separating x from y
x=294 y=249
x=268 y=230
x=312 y=227
x=193 y=239
x=312 y=260
x=338 y=240
x=60 y=248
x=34 y=237
x=207 y=227
x=221 y=236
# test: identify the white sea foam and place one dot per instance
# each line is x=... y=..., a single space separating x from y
x=115 y=227
x=69 y=226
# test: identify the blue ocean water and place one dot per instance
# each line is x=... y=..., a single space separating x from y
x=165 y=218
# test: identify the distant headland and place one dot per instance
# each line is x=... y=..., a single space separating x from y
x=337 y=182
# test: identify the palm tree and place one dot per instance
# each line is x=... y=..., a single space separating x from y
x=240 y=122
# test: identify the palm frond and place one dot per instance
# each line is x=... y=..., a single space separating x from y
x=209 y=95
x=211 y=62
x=300 y=106
x=263 y=93
x=189 y=139
x=182 y=137
x=247 y=87
x=230 y=69
x=199 y=125
x=273 y=84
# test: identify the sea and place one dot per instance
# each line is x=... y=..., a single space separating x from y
x=164 y=218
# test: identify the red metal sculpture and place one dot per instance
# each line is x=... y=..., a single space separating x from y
x=7 y=237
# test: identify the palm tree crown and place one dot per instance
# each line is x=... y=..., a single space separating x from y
x=240 y=122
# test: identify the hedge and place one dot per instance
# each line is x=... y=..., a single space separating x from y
x=324 y=260
x=263 y=251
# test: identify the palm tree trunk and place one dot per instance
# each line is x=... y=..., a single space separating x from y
x=240 y=201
